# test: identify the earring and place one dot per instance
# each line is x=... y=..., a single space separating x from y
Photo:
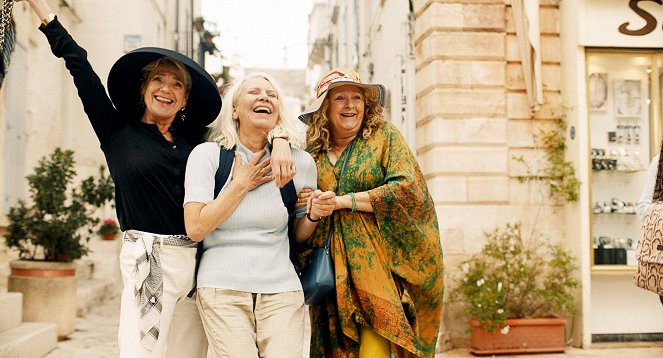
x=183 y=114
x=142 y=101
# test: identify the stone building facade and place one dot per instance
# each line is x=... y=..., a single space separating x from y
x=474 y=121
x=472 y=126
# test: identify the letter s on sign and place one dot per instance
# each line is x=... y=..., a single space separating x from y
x=649 y=18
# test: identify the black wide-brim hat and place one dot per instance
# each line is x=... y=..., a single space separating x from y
x=125 y=79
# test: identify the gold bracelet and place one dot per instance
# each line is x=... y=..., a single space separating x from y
x=47 y=20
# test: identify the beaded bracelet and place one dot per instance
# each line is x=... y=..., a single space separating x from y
x=354 y=202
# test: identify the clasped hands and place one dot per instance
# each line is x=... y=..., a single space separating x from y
x=318 y=203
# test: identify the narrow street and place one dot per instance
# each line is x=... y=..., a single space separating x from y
x=96 y=336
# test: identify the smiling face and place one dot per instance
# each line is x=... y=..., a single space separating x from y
x=164 y=93
x=256 y=107
x=346 y=110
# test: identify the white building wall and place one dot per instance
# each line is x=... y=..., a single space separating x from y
x=50 y=113
x=386 y=56
x=375 y=38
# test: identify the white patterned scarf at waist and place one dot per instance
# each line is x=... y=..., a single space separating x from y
x=148 y=287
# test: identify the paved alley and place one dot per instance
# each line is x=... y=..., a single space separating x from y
x=96 y=333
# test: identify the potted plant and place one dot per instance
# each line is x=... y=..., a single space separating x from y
x=49 y=233
x=108 y=229
x=514 y=286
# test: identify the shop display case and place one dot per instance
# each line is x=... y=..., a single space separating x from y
x=623 y=94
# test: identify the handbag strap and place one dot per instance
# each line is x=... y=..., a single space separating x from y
x=340 y=175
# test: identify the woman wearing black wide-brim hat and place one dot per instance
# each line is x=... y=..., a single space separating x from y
x=160 y=104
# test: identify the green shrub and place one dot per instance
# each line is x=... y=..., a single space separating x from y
x=511 y=278
x=51 y=228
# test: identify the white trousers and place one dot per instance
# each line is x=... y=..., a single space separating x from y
x=181 y=331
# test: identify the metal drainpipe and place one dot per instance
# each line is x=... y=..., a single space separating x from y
x=177 y=25
x=190 y=34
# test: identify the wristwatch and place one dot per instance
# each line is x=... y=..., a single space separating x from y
x=47 y=20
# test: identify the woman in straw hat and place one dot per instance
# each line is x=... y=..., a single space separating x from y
x=385 y=244
x=160 y=103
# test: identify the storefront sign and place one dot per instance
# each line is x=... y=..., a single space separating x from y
x=622 y=23
x=645 y=15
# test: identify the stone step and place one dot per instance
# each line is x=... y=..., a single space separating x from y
x=90 y=293
x=28 y=340
x=12 y=310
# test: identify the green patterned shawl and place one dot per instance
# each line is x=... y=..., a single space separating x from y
x=389 y=269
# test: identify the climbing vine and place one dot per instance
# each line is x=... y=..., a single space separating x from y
x=557 y=173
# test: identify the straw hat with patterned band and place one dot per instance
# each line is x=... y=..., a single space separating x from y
x=125 y=78
x=335 y=78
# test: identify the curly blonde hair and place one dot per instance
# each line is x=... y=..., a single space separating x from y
x=318 y=134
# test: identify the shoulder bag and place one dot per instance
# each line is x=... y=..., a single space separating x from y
x=318 y=279
x=649 y=252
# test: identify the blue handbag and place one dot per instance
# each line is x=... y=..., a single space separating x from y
x=318 y=279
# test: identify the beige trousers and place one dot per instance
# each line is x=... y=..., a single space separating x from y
x=181 y=331
x=245 y=325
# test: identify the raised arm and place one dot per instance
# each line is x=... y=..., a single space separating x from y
x=91 y=91
x=41 y=8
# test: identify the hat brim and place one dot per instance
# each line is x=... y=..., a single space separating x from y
x=315 y=105
x=124 y=82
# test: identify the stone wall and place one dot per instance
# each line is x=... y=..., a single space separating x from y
x=474 y=121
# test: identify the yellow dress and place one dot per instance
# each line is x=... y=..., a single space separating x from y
x=388 y=264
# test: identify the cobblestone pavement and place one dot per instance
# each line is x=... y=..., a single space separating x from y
x=96 y=336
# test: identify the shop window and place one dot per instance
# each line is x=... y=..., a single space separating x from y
x=623 y=101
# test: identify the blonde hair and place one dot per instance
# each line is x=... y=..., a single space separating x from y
x=318 y=134
x=225 y=130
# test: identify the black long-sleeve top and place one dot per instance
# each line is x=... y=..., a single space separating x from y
x=147 y=169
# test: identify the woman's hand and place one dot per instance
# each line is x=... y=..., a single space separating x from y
x=321 y=204
x=252 y=174
x=283 y=165
x=40 y=7
x=302 y=197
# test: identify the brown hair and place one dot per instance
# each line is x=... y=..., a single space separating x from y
x=318 y=133
x=171 y=65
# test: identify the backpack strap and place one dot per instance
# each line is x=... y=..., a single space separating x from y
x=289 y=196
x=226 y=157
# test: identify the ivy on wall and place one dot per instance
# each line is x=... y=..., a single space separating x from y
x=557 y=173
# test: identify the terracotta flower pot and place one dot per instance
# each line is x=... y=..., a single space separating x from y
x=524 y=335
x=109 y=236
